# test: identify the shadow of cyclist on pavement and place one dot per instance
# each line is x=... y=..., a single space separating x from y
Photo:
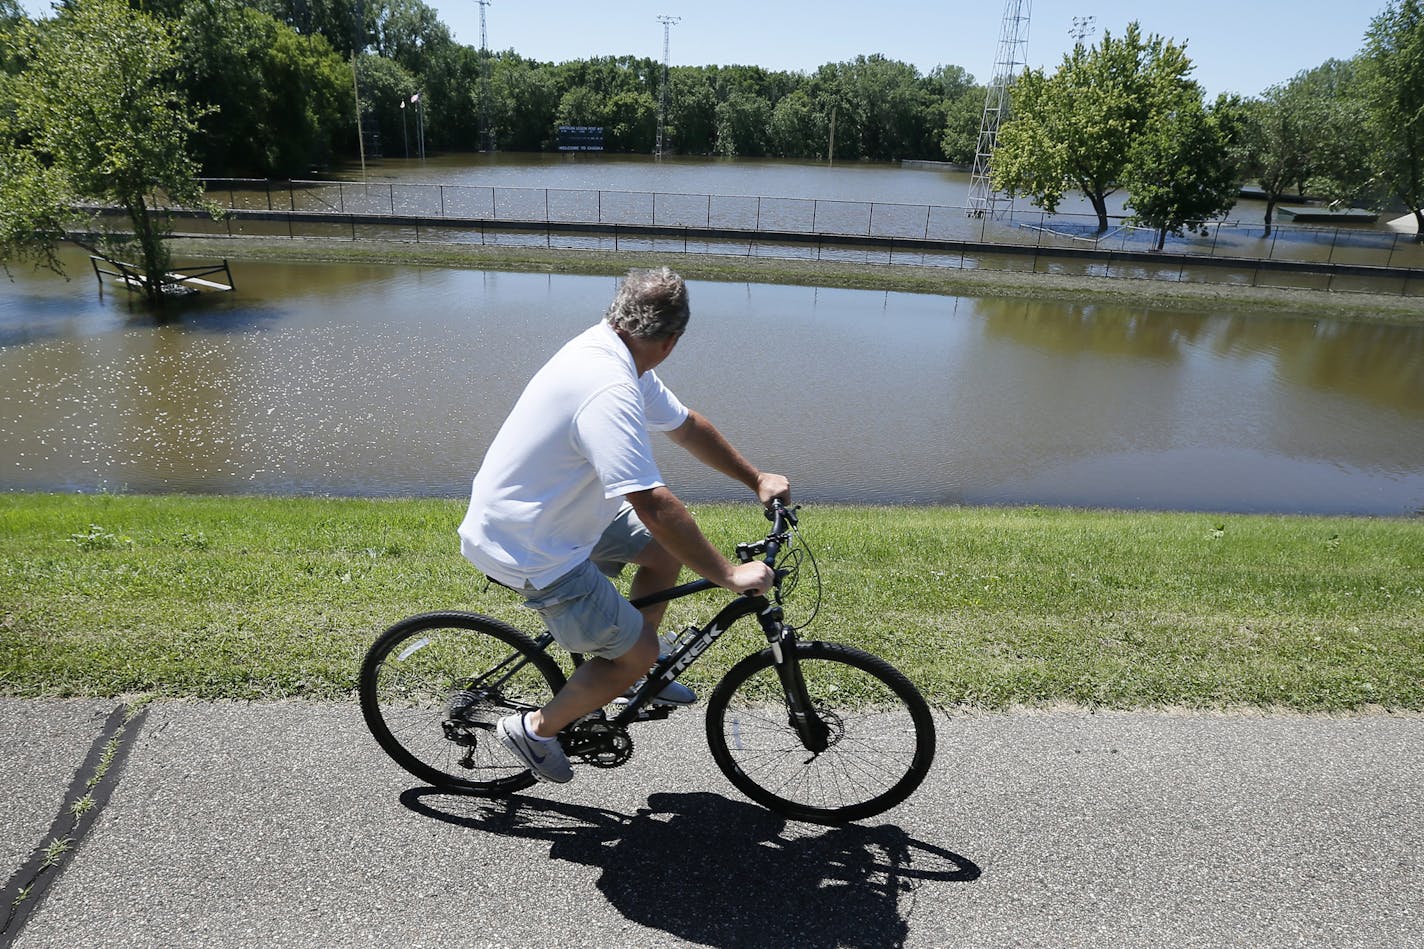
x=757 y=879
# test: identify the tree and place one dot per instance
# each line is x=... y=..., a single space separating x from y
x=525 y=98
x=1182 y=170
x=631 y=123
x=692 y=109
x=1275 y=143
x=282 y=101
x=98 y=119
x=743 y=119
x=1339 y=148
x=798 y=127
x=1394 y=94
x=386 y=89
x=1076 y=128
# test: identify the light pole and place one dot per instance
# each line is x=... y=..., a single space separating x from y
x=1083 y=27
x=405 y=136
x=485 y=80
x=668 y=22
x=419 y=123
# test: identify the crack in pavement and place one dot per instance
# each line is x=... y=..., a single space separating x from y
x=89 y=790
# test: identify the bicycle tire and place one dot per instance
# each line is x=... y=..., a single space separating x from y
x=882 y=741
x=418 y=700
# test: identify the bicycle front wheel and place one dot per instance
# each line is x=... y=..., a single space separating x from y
x=880 y=735
x=433 y=686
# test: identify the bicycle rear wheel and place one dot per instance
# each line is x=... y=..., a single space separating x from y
x=433 y=686
x=880 y=741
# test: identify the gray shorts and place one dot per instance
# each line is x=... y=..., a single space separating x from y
x=583 y=609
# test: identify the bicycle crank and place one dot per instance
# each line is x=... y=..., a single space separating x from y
x=598 y=743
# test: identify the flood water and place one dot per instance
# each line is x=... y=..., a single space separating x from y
x=390 y=381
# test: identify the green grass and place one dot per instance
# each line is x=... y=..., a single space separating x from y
x=265 y=598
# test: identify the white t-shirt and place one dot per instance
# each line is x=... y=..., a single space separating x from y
x=575 y=443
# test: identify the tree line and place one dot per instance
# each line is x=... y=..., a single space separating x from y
x=1126 y=115
x=127 y=102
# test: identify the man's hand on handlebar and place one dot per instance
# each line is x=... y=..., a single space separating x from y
x=751 y=579
x=773 y=487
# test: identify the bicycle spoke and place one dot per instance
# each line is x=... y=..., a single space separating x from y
x=873 y=740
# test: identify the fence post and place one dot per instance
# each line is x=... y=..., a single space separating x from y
x=758 y=217
x=392 y=197
x=599 y=211
x=442 y=202
x=709 y=212
x=1394 y=246
x=1271 y=251
x=1214 y=238
x=546 y=208
x=1335 y=239
x=870 y=223
x=927 y=222
x=815 y=207
x=269 y=194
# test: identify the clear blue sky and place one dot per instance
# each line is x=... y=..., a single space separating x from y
x=1239 y=46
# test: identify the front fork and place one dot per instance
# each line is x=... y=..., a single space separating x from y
x=801 y=714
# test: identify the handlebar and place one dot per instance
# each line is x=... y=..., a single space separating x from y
x=782 y=519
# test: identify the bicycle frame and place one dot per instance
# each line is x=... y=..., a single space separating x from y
x=779 y=637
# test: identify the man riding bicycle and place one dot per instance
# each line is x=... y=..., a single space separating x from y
x=569 y=492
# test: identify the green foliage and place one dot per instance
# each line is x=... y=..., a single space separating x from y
x=1393 y=61
x=1182 y=169
x=408 y=33
x=1077 y=128
x=796 y=124
x=97 y=118
x=282 y=102
x=386 y=88
x=743 y=123
x=1331 y=99
x=960 y=119
x=1275 y=147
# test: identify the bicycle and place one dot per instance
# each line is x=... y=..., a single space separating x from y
x=817 y=731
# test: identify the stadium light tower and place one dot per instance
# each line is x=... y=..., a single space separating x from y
x=1082 y=28
x=1009 y=61
x=485 y=80
x=668 y=23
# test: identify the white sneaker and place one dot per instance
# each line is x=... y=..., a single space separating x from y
x=546 y=759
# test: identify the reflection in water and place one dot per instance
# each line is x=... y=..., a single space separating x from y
x=391 y=381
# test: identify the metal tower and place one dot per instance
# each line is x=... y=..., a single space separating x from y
x=1082 y=28
x=668 y=22
x=485 y=81
x=1009 y=61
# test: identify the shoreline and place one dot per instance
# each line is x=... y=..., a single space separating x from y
x=1117 y=291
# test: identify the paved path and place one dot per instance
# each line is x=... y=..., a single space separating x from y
x=282 y=824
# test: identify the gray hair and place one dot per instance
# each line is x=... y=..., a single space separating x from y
x=650 y=304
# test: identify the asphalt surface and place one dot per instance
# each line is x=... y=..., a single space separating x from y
x=283 y=824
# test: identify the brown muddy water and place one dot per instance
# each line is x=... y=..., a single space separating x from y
x=390 y=381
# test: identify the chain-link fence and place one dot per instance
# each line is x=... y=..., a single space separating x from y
x=1347 y=258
